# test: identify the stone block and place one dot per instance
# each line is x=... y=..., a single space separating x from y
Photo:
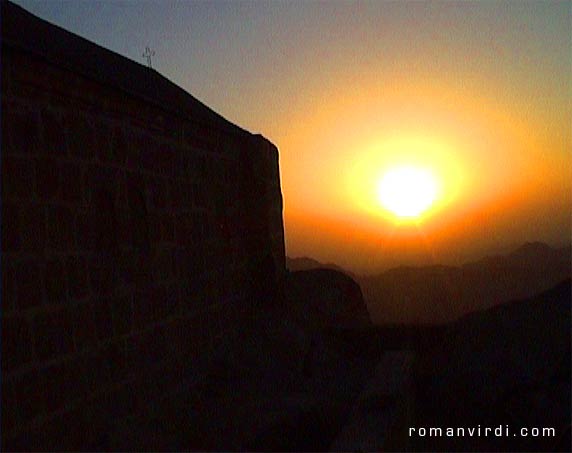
x=154 y=228
x=195 y=165
x=9 y=411
x=72 y=183
x=24 y=131
x=126 y=266
x=145 y=350
x=77 y=277
x=102 y=178
x=32 y=222
x=163 y=267
x=155 y=345
x=158 y=302
x=16 y=343
x=148 y=156
x=48 y=178
x=54 y=138
x=8 y=285
x=167 y=228
x=165 y=160
x=63 y=382
x=121 y=402
x=60 y=228
x=119 y=146
x=67 y=432
x=178 y=196
x=97 y=370
x=143 y=391
x=17 y=177
x=103 y=319
x=158 y=196
x=142 y=270
x=181 y=162
x=53 y=334
x=104 y=150
x=96 y=411
x=117 y=358
x=134 y=145
x=125 y=229
x=11 y=227
x=172 y=300
x=56 y=282
x=84 y=327
x=122 y=315
x=177 y=338
x=183 y=230
x=103 y=273
x=30 y=284
x=84 y=230
x=142 y=309
x=173 y=128
x=30 y=394
x=81 y=137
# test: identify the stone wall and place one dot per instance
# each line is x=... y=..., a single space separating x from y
x=134 y=240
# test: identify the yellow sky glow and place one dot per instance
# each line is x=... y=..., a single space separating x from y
x=407 y=191
x=491 y=162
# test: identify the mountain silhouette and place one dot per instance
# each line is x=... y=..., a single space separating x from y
x=305 y=264
x=438 y=293
x=327 y=298
x=508 y=365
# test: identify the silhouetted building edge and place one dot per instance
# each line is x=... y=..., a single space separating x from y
x=131 y=249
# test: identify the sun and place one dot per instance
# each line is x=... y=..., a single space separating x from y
x=407 y=191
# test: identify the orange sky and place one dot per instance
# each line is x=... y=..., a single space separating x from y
x=501 y=164
x=501 y=146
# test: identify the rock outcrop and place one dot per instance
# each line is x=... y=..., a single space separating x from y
x=327 y=298
x=285 y=383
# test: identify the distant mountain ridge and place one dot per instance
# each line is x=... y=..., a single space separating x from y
x=305 y=264
x=442 y=293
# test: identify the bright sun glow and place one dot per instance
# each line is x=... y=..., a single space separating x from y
x=407 y=191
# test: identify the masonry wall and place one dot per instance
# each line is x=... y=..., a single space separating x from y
x=134 y=241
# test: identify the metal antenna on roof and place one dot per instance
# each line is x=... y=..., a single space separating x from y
x=148 y=54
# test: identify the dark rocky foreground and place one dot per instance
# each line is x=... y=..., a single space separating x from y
x=509 y=365
x=302 y=381
x=287 y=385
